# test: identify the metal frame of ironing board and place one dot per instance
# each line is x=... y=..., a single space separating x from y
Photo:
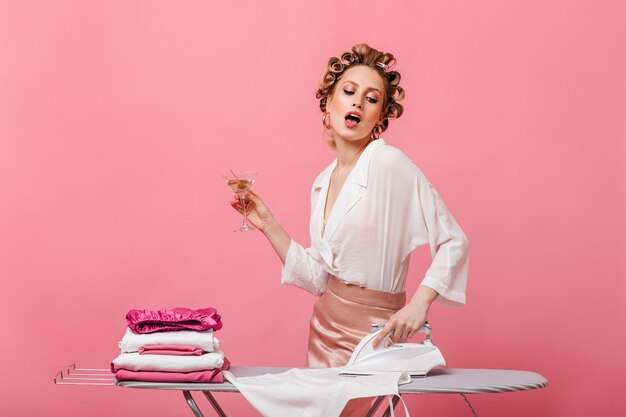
x=439 y=381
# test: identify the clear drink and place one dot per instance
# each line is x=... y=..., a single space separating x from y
x=240 y=186
x=240 y=183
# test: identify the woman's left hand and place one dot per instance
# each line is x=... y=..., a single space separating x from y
x=408 y=320
x=404 y=323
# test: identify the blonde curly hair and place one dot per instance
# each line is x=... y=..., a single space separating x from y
x=363 y=54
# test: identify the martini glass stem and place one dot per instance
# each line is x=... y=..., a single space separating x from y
x=245 y=224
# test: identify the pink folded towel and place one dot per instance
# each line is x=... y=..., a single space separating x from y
x=214 y=376
x=163 y=320
x=210 y=376
x=178 y=350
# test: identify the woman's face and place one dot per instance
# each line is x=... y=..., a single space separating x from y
x=356 y=104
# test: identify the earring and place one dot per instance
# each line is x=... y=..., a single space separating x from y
x=376 y=132
x=326 y=126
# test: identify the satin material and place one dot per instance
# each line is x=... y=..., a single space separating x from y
x=163 y=320
x=342 y=316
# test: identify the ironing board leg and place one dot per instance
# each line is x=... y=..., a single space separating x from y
x=375 y=406
x=192 y=404
x=214 y=403
x=394 y=402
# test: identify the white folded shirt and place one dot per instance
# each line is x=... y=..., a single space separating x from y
x=313 y=392
x=169 y=363
x=131 y=342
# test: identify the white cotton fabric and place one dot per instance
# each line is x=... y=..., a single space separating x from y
x=313 y=392
x=205 y=340
x=385 y=210
x=169 y=363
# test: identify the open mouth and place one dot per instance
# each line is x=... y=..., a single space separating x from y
x=352 y=120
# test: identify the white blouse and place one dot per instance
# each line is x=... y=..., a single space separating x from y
x=385 y=210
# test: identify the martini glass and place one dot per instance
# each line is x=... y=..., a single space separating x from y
x=240 y=183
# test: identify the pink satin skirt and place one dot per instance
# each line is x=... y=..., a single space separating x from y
x=342 y=316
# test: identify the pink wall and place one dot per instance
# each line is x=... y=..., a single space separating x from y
x=117 y=118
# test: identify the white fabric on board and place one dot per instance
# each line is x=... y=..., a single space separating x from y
x=312 y=392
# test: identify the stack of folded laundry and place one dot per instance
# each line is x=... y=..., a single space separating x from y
x=171 y=345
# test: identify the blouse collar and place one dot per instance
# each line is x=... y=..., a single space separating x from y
x=361 y=169
x=352 y=191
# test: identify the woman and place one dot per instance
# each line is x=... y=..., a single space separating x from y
x=370 y=208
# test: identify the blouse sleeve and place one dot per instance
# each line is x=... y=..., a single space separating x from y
x=449 y=247
x=303 y=269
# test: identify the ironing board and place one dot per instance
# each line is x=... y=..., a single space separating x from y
x=441 y=381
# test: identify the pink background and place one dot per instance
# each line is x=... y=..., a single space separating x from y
x=117 y=118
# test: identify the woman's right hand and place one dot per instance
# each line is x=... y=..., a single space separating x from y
x=261 y=217
x=258 y=213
